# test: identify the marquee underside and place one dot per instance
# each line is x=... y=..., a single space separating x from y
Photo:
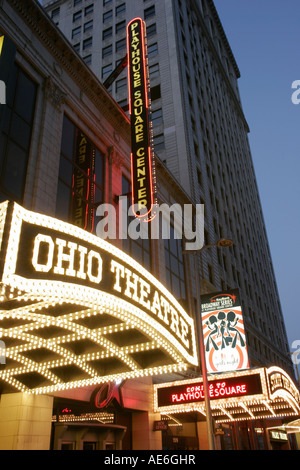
x=77 y=311
x=54 y=345
x=238 y=411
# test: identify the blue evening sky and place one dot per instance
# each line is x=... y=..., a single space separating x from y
x=265 y=39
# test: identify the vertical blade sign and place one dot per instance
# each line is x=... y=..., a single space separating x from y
x=141 y=143
x=83 y=187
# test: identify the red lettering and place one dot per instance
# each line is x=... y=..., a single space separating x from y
x=217 y=390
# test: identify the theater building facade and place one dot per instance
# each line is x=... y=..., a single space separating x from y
x=99 y=343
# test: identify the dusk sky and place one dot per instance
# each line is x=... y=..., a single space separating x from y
x=264 y=36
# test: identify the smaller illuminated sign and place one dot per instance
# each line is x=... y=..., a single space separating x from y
x=234 y=396
x=218 y=389
x=224 y=332
x=160 y=425
x=106 y=395
x=141 y=145
x=278 y=435
x=280 y=382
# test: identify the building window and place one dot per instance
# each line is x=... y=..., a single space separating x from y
x=156 y=117
x=77 y=16
x=87 y=43
x=210 y=274
x=175 y=276
x=88 y=10
x=106 y=2
x=106 y=51
x=55 y=13
x=88 y=26
x=120 y=9
x=120 y=45
x=152 y=50
x=154 y=71
x=107 y=33
x=124 y=104
x=88 y=59
x=155 y=93
x=107 y=16
x=159 y=142
x=140 y=248
x=149 y=12
x=106 y=71
x=77 y=47
x=15 y=136
x=121 y=85
x=120 y=26
x=151 y=30
x=77 y=2
x=81 y=178
x=76 y=32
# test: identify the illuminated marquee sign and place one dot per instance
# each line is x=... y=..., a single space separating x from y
x=280 y=383
x=224 y=332
x=142 y=165
x=234 y=396
x=46 y=258
x=61 y=258
x=218 y=389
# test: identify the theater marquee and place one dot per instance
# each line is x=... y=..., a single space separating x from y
x=83 y=311
x=234 y=396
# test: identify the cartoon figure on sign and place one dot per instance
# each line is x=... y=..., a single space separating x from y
x=225 y=345
x=221 y=317
x=213 y=326
x=231 y=323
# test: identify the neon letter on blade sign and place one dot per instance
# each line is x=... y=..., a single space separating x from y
x=141 y=152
